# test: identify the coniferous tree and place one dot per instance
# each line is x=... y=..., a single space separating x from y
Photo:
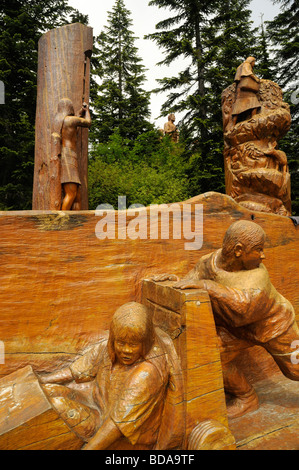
x=214 y=38
x=283 y=32
x=22 y=22
x=265 y=67
x=121 y=102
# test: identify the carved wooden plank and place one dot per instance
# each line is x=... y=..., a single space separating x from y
x=61 y=72
x=197 y=346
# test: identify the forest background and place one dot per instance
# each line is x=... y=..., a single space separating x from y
x=127 y=155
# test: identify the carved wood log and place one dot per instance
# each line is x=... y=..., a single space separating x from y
x=211 y=435
x=27 y=420
x=63 y=72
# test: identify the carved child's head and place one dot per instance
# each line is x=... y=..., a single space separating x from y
x=251 y=60
x=244 y=243
x=131 y=334
x=66 y=107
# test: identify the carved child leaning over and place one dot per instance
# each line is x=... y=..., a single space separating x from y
x=135 y=381
x=247 y=308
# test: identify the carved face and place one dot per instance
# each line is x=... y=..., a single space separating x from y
x=253 y=258
x=128 y=348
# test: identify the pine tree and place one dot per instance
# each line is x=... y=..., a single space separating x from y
x=284 y=34
x=22 y=22
x=181 y=36
x=214 y=38
x=121 y=102
x=265 y=67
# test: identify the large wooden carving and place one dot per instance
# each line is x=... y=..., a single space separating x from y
x=137 y=388
x=255 y=118
x=58 y=294
x=27 y=419
x=63 y=72
x=248 y=309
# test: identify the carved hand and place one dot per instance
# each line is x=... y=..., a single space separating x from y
x=191 y=284
x=164 y=277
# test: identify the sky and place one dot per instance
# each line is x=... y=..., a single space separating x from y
x=144 y=19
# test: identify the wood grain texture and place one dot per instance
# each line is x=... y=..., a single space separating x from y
x=27 y=420
x=60 y=75
x=60 y=284
x=197 y=347
x=274 y=426
x=256 y=171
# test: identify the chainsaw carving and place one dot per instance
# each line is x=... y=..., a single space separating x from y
x=125 y=392
x=247 y=308
x=255 y=118
x=171 y=129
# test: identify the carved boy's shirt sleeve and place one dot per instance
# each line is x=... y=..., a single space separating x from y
x=86 y=367
x=137 y=410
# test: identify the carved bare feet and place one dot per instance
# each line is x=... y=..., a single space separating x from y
x=241 y=405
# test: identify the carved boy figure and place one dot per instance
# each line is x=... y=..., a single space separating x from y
x=247 y=308
x=171 y=129
x=65 y=144
x=135 y=381
x=246 y=92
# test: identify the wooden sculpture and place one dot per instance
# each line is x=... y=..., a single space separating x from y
x=171 y=129
x=255 y=118
x=247 y=308
x=134 y=393
x=64 y=157
x=63 y=72
x=27 y=419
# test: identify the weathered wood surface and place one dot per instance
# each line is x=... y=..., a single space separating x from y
x=27 y=420
x=274 y=426
x=61 y=72
x=60 y=284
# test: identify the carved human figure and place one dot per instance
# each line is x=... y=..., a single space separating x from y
x=171 y=129
x=246 y=90
x=64 y=137
x=134 y=376
x=247 y=308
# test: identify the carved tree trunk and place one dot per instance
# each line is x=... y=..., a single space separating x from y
x=63 y=72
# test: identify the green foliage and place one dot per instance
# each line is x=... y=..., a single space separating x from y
x=283 y=33
x=152 y=171
x=213 y=38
